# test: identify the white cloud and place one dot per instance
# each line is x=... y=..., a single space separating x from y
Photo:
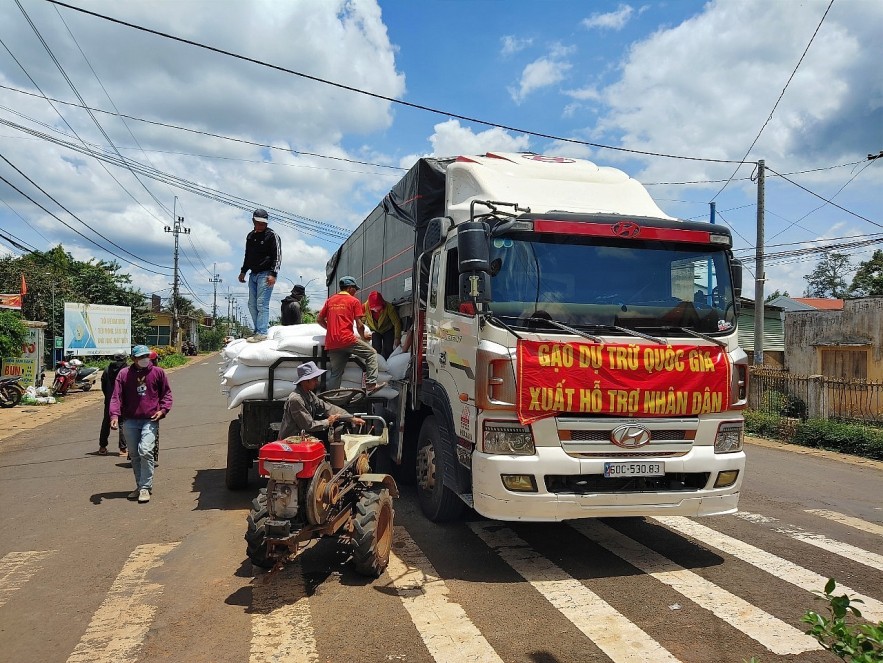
x=452 y=139
x=614 y=20
x=543 y=72
x=512 y=44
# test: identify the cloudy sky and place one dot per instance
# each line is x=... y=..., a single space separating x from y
x=671 y=92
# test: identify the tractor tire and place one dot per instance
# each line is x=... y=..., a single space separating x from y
x=372 y=532
x=438 y=502
x=239 y=458
x=256 y=534
x=87 y=386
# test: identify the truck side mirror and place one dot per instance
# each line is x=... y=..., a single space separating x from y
x=474 y=287
x=737 y=276
x=436 y=232
x=473 y=247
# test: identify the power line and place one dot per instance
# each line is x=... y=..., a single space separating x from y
x=375 y=95
x=776 y=105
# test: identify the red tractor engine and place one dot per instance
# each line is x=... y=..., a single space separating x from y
x=290 y=469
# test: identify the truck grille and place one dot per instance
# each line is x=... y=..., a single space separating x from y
x=604 y=435
x=584 y=484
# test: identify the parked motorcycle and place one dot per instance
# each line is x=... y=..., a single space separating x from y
x=11 y=391
x=73 y=374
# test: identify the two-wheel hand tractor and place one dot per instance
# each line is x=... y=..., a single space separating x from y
x=316 y=491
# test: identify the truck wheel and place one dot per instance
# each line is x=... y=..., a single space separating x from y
x=438 y=502
x=372 y=532
x=238 y=458
x=256 y=534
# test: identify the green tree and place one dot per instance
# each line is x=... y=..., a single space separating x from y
x=770 y=297
x=868 y=280
x=13 y=334
x=828 y=279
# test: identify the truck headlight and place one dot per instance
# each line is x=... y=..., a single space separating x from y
x=507 y=438
x=729 y=439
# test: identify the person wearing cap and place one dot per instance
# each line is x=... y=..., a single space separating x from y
x=304 y=411
x=263 y=257
x=337 y=316
x=108 y=377
x=291 y=311
x=141 y=397
x=381 y=318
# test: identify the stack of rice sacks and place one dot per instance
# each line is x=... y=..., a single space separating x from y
x=245 y=367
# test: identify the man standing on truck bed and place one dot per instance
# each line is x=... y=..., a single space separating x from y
x=337 y=316
x=263 y=257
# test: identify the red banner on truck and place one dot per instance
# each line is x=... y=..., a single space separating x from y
x=620 y=379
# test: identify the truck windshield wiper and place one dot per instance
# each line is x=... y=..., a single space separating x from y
x=634 y=332
x=693 y=332
x=572 y=330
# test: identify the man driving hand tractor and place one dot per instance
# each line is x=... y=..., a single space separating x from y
x=305 y=411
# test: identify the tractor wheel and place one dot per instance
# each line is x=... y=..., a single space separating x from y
x=372 y=532
x=238 y=458
x=256 y=534
x=438 y=502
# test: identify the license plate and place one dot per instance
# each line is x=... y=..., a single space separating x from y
x=633 y=469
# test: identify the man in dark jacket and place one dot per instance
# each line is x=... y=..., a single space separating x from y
x=107 y=379
x=291 y=311
x=263 y=257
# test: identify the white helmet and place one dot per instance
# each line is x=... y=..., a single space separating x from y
x=76 y=362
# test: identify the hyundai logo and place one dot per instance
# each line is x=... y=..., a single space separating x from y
x=630 y=436
x=626 y=229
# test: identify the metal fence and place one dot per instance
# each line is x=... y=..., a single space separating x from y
x=783 y=394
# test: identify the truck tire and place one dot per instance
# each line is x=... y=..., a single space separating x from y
x=238 y=458
x=438 y=502
x=372 y=532
x=256 y=534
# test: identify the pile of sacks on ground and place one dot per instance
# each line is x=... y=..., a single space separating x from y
x=245 y=367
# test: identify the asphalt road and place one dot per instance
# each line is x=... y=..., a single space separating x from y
x=86 y=575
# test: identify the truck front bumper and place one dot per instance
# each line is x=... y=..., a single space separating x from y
x=493 y=500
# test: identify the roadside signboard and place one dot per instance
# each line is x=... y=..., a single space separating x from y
x=96 y=329
x=28 y=364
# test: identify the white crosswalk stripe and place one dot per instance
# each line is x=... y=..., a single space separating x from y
x=444 y=627
x=771 y=632
x=846 y=550
x=119 y=625
x=857 y=523
x=16 y=568
x=811 y=581
x=281 y=629
x=610 y=630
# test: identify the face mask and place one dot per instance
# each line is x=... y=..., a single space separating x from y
x=143 y=363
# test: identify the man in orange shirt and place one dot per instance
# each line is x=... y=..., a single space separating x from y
x=337 y=316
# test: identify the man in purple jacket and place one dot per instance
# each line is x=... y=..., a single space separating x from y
x=141 y=397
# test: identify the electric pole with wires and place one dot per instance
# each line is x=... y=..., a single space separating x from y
x=176 y=229
x=215 y=280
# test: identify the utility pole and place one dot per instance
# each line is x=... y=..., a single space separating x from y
x=215 y=279
x=759 y=275
x=176 y=229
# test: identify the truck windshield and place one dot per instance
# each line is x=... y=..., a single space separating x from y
x=647 y=285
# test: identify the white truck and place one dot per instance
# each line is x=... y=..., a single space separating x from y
x=574 y=348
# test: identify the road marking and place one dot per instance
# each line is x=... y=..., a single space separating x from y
x=872 y=609
x=854 y=553
x=121 y=622
x=857 y=523
x=771 y=632
x=610 y=630
x=16 y=568
x=446 y=630
x=282 y=628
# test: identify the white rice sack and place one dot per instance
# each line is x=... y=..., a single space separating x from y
x=301 y=345
x=241 y=373
x=381 y=364
x=386 y=393
x=233 y=348
x=398 y=365
x=261 y=354
x=307 y=329
x=252 y=391
x=352 y=373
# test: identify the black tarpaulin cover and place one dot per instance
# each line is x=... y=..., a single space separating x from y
x=381 y=253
